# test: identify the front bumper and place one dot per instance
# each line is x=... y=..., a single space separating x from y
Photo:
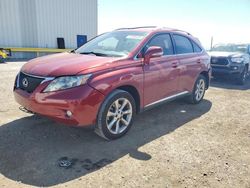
x=227 y=70
x=82 y=101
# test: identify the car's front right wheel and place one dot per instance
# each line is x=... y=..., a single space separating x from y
x=116 y=115
x=243 y=76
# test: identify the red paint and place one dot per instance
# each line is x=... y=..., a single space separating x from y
x=154 y=78
x=82 y=101
x=65 y=64
x=152 y=52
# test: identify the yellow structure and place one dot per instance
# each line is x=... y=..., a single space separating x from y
x=3 y=54
x=38 y=50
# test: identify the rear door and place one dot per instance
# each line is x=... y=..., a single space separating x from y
x=189 y=55
x=161 y=75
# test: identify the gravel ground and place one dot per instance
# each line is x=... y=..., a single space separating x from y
x=174 y=145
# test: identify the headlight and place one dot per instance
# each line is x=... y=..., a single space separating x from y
x=237 y=59
x=66 y=82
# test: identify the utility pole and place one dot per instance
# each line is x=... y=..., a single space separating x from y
x=212 y=40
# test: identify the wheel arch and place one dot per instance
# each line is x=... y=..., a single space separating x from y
x=135 y=94
x=122 y=79
x=247 y=66
x=206 y=75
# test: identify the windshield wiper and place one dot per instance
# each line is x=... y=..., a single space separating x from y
x=94 y=53
x=73 y=51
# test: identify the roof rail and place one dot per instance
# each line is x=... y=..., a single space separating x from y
x=172 y=29
x=137 y=27
x=181 y=31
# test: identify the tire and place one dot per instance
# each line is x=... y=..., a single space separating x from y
x=198 y=91
x=1 y=60
x=243 y=76
x=112 y=121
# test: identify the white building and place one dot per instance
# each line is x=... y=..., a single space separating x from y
x=38 y=23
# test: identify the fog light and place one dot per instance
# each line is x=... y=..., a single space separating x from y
x=69 y=113
x=235 y=68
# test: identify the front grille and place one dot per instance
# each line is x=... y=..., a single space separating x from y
x=28 y=83
x=219 y=61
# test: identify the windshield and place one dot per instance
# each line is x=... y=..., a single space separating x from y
x=113 y=44
x=230 y=48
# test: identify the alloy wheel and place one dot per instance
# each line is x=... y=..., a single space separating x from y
x=200 y=89
x=119 y=116
x=244 y=76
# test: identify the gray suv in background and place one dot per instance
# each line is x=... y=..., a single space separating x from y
x=231 y=60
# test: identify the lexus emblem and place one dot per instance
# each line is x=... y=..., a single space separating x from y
x=25 y=82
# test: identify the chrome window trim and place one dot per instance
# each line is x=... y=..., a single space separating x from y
x=190 y=53
x=136 y=58
x=191 y=41
x=167 y=98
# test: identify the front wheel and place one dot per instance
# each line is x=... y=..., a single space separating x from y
x=243 y=76
x=198 y=91
x=116 y=115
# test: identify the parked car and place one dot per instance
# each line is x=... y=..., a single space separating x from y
x=231 y=60
x=4 y=53
x=114 y=76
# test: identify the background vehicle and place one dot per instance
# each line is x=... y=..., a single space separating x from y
x=4 y=53
x=114 y=76
x=231 y=60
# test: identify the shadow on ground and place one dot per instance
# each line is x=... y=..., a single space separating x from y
x=229 y=83
x=31 y=147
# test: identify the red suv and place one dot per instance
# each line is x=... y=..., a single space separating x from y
x=114 y=76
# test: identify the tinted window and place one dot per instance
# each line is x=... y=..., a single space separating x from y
x=196 y=47
x=164 y=41
x=183 y=44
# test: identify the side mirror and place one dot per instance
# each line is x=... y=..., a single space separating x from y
x=153 y=51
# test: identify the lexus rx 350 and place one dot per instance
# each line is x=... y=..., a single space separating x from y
x=114 y=76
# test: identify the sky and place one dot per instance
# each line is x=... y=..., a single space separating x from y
x=227 y=21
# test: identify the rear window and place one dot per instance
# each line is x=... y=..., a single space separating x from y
x=183 y=44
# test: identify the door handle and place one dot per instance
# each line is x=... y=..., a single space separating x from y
x=199 y=61
x=175 y=64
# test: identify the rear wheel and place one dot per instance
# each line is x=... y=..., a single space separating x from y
x=243 y=76
x=116 y=115
x=198 y=91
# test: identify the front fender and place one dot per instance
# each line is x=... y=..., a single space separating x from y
x=108 y=81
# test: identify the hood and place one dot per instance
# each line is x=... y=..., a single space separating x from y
x=224 y=54
x=64 y=64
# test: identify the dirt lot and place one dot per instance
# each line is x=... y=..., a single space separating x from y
x=174 y=145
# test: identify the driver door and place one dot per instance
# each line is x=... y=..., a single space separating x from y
x=161 y=75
